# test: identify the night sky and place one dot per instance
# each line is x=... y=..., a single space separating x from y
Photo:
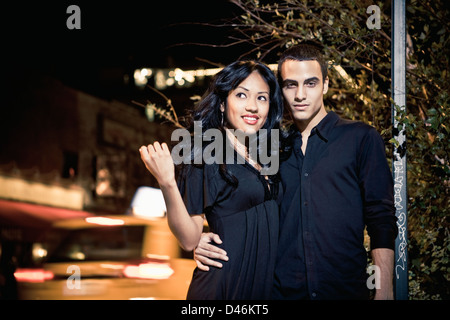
x=115 y=38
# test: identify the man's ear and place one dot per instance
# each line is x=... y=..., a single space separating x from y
x=325 y=85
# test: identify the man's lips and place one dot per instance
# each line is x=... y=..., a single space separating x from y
x=300 y=106
x=250 y=119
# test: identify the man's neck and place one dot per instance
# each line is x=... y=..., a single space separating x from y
x=305 y=126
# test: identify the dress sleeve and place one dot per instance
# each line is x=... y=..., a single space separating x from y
x=197 y=188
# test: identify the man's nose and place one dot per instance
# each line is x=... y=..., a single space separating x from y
x=300 y=95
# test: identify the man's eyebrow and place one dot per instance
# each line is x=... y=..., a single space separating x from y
x=289 y=81
x=312 y=79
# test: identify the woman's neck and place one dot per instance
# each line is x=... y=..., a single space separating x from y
x=241 y=148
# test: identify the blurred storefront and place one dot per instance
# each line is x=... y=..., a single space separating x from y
x=63 y=154
x=65 y=148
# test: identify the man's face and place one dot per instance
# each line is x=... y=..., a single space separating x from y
x=303 y=89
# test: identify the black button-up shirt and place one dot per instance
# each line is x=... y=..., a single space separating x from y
x=341 y=184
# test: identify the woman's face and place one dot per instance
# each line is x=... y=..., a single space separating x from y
x=248 y=105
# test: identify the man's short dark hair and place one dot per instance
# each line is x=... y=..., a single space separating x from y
x=304 y=52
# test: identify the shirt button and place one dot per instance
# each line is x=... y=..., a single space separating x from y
x=314 y=294
x=306 y=174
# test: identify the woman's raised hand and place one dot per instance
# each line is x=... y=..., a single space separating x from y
x=158 y=161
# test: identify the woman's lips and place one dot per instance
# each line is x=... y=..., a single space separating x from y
x=250 y=119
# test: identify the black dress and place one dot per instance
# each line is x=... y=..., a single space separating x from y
x=246 y=219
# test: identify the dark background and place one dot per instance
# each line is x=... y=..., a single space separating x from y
x=115 y=38
x=62 y=88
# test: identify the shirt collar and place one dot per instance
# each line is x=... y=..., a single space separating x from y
x=323 y=129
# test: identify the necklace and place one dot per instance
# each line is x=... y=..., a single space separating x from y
x=242 y=150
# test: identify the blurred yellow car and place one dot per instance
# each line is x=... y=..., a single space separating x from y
x=110 y=257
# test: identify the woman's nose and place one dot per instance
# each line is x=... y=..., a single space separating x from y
x=251 y=106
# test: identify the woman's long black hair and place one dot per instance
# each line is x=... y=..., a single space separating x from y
x=207 y=110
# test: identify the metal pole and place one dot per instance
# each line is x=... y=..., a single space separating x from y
x=398 y=57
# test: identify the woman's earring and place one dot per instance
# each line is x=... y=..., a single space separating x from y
x=222 y=119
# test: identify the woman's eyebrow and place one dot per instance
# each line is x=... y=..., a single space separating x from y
x=243 y=88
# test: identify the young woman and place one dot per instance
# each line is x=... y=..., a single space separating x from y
x=239 y=203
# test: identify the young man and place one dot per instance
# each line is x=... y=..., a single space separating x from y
x=336 y=182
